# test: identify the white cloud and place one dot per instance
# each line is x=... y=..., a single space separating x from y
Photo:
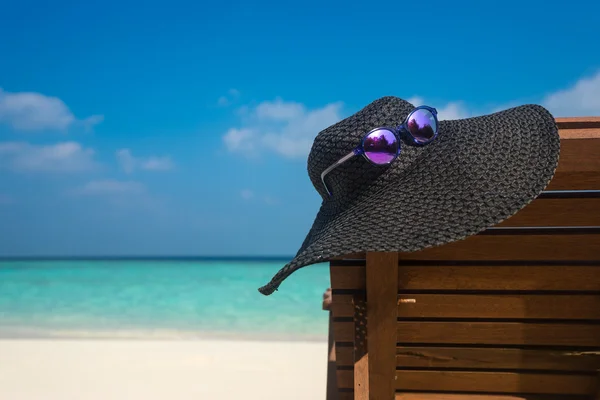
x=449 y=111
x=240 y=140
x=129 y=163
x=279 y=110
x=110 y=187
x=30 y=111
x=286 y=128
x=581 y=99
x=231 y=97
x=60 y=157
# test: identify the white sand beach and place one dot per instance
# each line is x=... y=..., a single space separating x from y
x=161 y=369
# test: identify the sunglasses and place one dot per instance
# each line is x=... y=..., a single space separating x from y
x=381 y=146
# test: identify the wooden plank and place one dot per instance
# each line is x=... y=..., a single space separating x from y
x=497 y=358
x=579 y=155
x=499 y=333
x=331 y=388
x=500 y=306
x=487 y=358
x=514 y=247
x=506 y=306
x=499 y=382
x=557 y=212
x=343 y=332
x=575 y=180
x=448 y=396
x=478 y=277
x=382 y=288
x=581 y=123
x=347 y=277
x=342 y=305
x=487 y=333
x=493 y=382
x=361 y=351
x=567 y=278
x=579 y=164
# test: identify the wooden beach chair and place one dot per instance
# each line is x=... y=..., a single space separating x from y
x=512 y=313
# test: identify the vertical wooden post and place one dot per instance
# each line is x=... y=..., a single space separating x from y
x=377 y=380
x=332 y=387
x=361 y=355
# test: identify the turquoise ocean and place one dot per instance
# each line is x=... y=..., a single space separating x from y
x=160 y=298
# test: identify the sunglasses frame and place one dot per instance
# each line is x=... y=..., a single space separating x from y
x=397 y=132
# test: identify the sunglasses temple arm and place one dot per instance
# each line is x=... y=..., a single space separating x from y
x=334 y=166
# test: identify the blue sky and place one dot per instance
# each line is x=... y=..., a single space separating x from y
x=139 y=128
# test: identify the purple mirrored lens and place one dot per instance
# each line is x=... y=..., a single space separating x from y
x=422 y=125
x=381 y=146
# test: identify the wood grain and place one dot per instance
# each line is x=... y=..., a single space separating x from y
x=486 y=333
x=499 y=306
x=448 y=396
x=499 y=333
x=487 y=358
x=361 y=351
x=499 y=382
x=477 y=277
x=493 y=382
x=514 y=247
x=557 y=212
x=580 y=154
x=581 y=122
x=503 y=306
x=382 y=288
x=575 y=180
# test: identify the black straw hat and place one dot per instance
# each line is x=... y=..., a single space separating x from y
x=475 y=174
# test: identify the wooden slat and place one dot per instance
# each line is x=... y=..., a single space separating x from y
x=500 y=382
x=382 y=287
x=580 y=123
x=341 y=305
x=487 y=333
x=574 y=278
x=557 y=212
x=507 y=333
x=486 y=358
x=478 y=277
x=448 y=396
x=360 y=354
x=506 y=306
x=575 y=180
x=579 y=155
x=494 y=358
x=579 y=164
x=494 y=382
x=499 y=306
x=514 y=247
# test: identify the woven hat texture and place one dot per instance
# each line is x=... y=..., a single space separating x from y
x=478 y=172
